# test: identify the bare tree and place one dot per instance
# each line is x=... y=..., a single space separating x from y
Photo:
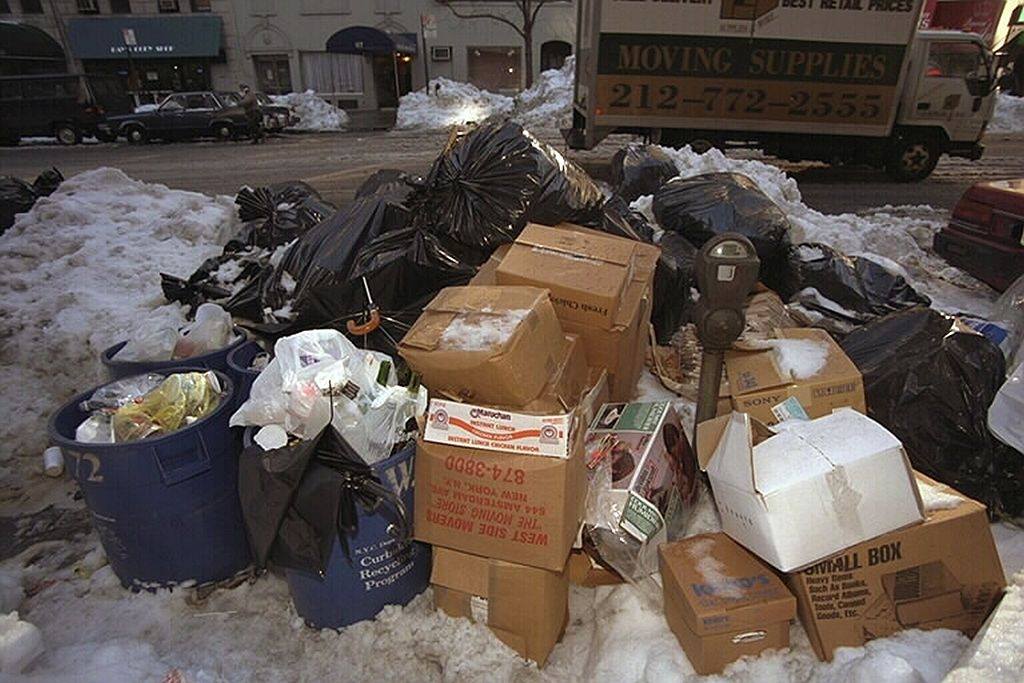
x=528 y=11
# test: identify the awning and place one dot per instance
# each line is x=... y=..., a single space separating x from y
x=23 y=41
x=145 y=37
x=366 y=40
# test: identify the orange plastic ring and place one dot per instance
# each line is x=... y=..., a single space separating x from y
x=366 y=328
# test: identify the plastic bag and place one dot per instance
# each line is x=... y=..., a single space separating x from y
x=179 y=400
x=279 y=214
x=700 y=207
x=97 y=428
x=1006 y=414
x=1008 y=311
x=641 y=169
x=149 y=344
x=391 y=182
x=487 y=184
x=122 y=392
x=853 y=289
x=211 y=330
x=930 y=380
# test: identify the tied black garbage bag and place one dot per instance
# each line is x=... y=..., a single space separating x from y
x=930 y=379
x=862 y=288
x=703 y=206
x=297 y=500
x=388 y=181
x=487 y=184
x=638 y=170
x=17 y=196
x=277 y=215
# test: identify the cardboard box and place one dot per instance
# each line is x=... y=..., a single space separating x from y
x=488 y=345
x=760 y=388
x=944 y=573
x=525 y=607
x=520 y=507
x=584 y=570
x=571 y=380
x=721 y=602
x=587 y=273
x=811 y=490
x=653 y=469
x=616 y=343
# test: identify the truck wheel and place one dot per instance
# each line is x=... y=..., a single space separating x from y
x=67 y=134
x=136 y=135
x=912 y=158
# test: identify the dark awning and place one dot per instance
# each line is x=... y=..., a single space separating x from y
x=154 y=37
x=366 y=40
x=19 y=40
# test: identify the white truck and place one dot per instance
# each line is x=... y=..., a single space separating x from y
x=840 y=81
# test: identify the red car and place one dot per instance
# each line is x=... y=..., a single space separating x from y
x=985 y=236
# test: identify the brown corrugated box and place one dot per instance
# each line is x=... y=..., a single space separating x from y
x=512 y=372
x=616 y=343
x=525 y=607
x=758 y=386
x=584 y=570
x=943 y=573
x=562 y=393
x=722 y=602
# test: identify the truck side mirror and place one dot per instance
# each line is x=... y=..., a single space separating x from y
x=978 y=86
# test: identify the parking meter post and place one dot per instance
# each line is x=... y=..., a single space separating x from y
x=710 y=380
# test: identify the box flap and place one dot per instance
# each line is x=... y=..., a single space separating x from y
x=751 y=367
x=460 y=571
x=585 y=246
x=732 y=459
x=709 y=434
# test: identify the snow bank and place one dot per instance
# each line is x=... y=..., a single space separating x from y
x=482 y=332
x=548 y=102
x=997 y=653
x=315 y=113
x=1009 y=114
x=77 y=272
x=20 y=643
x=450 y=103
x=903 y=234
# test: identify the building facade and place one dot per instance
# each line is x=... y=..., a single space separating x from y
x=359 y=54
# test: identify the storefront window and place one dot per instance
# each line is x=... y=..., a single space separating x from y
x=88 y=6
x=168 y=6
x=494 y=68
x=120 y=7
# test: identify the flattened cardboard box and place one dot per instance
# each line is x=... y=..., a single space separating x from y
x=509 y=370
x=944 y=573
x=722 y=602
x=525 y=607
x=584 y=570
x=519 y=508
x=811 y=490
x=760 y=389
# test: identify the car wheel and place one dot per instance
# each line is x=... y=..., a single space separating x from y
x=912 y=158
x=136 y=135
x=222 y=131
x=67 y=134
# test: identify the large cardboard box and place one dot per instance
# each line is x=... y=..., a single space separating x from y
x=810 y=491
x=525 y=607
x=721 y=602
x=616 y=339
x=944 y=573
x=503 y=485
x=488 y=345
x=563 y=391
x=760 y=388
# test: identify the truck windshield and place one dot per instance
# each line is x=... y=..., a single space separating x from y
x=956 y=60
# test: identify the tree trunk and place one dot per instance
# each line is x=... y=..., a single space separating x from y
x=528 y=55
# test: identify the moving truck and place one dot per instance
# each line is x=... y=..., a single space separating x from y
x=848 y=81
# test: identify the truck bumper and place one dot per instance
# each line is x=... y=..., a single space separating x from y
x=970 y=150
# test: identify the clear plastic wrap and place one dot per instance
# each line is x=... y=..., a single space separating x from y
x=180 y=399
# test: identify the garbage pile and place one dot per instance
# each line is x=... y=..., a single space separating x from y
x=18 y=196
x=211 y=329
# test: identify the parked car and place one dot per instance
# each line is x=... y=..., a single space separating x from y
x=66 y=106
x=276 y=117
x=985 y=235
x=182 y=116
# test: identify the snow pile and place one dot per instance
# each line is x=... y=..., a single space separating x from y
x=796 y=358
x=478 y=332
x=548 y=102
x=997 y=653
x=935 y=498
x=79 y=271
x=903 y=234
x=449 y=103
x=20 y=643
x=1008 y=116
x=712 y=570
x=315 y=114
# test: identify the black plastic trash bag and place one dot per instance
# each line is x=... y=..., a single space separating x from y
x=17 y=196
x=296 y=500
x=700 y=207
x=388 y=181
x=278 y=214
x=929 y=379
x=862 y=288
x=618 y=218
x=487 y=184
x=639 y=170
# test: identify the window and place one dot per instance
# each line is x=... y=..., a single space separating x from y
x=32 y=6
x=440 y=53
x=88 y=6
x=201 y=101
x=331 y=73
x=201 y=5
x=494 y=68
x=1016 y=16
x=174 y=103
x=168 y=6
x=120 y=7
x=325 y=7
x=955 y=60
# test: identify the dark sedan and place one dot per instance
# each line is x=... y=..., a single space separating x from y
x=182 y=116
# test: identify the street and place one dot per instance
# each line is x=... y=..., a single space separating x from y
x=337 y=163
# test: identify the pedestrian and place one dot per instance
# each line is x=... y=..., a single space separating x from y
x=252 y=112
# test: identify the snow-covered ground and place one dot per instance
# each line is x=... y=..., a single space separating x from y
x=1009 y=115
x=81 y=269
x=315 y=114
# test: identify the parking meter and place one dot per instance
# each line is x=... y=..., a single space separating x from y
x=726 y=269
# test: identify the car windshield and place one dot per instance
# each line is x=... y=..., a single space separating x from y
x=229 y=99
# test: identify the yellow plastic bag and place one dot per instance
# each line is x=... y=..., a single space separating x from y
x=168 y=407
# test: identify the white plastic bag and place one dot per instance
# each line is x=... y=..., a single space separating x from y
x=1006 y=414
x=149 y=345
x=211 y=330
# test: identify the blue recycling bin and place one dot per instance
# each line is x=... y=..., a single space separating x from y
x=214 y=360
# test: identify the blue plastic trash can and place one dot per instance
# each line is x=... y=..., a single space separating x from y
x=239 y=361
x=214 y=360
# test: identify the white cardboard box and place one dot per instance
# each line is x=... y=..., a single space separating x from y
x=811 y=490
